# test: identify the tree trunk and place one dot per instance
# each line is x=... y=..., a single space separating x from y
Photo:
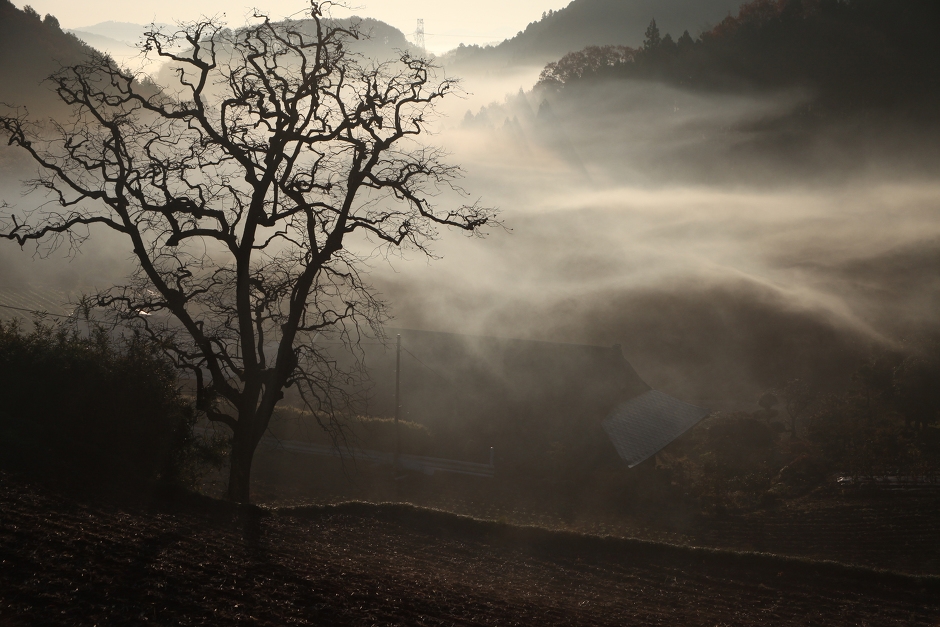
x=239 y=480
x=248 y=431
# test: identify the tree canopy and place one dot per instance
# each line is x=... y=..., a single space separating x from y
x=849 y=52
x=251 y=192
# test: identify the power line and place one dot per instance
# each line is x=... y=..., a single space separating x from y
x=331 y=343
x=38 y=312
x=445 y=379
x=490 y=37
x=33 y=311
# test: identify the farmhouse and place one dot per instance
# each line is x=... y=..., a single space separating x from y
x=529 y=400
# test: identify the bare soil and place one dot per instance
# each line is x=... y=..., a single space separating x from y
x=884 y=530
x=186 y=560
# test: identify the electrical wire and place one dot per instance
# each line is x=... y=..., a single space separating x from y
x=115 y=324
x=37 y=312
x=445 y=379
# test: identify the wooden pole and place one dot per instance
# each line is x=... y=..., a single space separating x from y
x=397 y=401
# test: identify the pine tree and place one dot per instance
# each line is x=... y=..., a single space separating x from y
x=652 y=40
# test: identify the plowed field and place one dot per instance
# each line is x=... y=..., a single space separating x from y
x=880 y=529
x=192 y=561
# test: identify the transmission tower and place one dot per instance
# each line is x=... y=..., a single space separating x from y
x=419 y=34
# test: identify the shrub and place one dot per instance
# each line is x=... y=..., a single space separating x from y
x=95 y=408
x=365 y=432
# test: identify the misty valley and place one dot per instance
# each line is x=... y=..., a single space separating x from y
x=628 y=319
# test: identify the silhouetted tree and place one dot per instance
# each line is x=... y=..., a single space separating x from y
x=588 y=62
x=916 y=389
x=239 y=191
x=798 y=397
x=651 y=39
x=767 y=402
x=51 y=22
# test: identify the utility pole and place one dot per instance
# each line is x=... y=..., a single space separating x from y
x=397 y=401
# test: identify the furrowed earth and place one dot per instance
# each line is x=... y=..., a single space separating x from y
x=187 y=560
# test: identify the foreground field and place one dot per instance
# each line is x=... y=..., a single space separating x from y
x=192 y=561
x=883 y=530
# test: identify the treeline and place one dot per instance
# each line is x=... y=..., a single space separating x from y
x=849 y=52
x=885 y=426
x=94 y=409
x=589 y=22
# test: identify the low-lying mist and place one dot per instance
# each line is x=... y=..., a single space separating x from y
x=729 y=242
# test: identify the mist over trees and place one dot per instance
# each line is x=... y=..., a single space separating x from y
x=679 y=331
x=850 y=54
x=703 y=356
x=241 y=190
x=783 y=95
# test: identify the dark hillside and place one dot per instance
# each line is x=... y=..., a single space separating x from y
x=849 y=53
x=378 y=41
x=593 y=23
x=32 y=48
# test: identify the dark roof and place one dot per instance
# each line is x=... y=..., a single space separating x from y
x=527 y=398
x=486 y=371
x=640 y=427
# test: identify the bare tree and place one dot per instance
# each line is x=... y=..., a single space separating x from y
x=798 y=399
x=252 y=193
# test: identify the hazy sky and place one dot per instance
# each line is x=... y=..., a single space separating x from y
x=446 y=23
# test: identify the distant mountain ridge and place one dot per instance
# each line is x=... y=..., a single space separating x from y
x=33 y=47
x=118 y=39
x=379 y=42
x=594 y=23
x=124 y=32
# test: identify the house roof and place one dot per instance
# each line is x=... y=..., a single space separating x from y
x=495 y=375
x=641 y=426
x=528 y=396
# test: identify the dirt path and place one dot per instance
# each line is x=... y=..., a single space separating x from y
x=66 y=562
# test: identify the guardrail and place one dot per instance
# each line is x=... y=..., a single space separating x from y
x=418 y=463
x=931 y=482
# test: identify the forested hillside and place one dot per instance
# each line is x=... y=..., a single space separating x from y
x=591 y=23
x=31 y=48
x=847 y=52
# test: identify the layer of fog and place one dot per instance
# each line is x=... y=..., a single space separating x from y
x=122 y=41
x=724 y=250
x=725 y=246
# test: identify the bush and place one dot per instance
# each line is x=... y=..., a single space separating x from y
x=92 y=408
x=364 y=432
x=726 y=462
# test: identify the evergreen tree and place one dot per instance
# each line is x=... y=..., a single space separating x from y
x=652 y=39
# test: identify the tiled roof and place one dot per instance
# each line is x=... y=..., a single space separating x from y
x=642 y=426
